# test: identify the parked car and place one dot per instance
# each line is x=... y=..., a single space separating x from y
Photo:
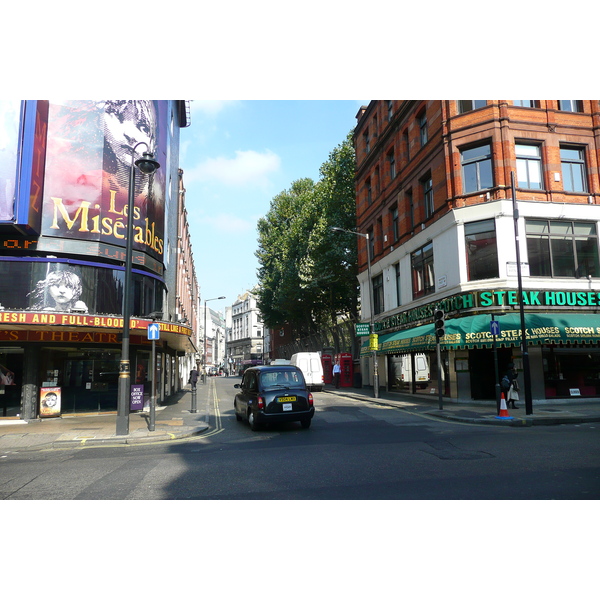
x=312 y=368
x=273 y=394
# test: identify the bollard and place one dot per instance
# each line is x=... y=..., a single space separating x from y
x=194 y=409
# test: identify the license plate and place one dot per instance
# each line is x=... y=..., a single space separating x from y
x=287 y=407
x=287 y=399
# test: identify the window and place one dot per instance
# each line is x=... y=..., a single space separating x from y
x=422 y=271
x=529 y=166
x=367 y=141
x=527 y=103
x=411 y=208
x=378 y=294
x=395 y=224
x=562 y=248
x=573 y=169
x=392 y=163
x=406 y=141
x=570 y=105
x=371 y=244
x=369 y=193
x=397 y=268
x=482 y=250
x=423 y=128
x=427 y=184
x=467 y=105
x=390 y=109
x=477 y=168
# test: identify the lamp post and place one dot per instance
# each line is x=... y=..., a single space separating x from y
x=204 y=359
x=524 y=348
x=146 y=165
x=371 y=306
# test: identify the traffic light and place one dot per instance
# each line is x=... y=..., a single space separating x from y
x=439 y=323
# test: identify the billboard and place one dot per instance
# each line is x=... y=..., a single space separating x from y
x=88 y=170
x=74 y=286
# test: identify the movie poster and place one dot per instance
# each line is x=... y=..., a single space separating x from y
x=50 y=402
x=88 y=168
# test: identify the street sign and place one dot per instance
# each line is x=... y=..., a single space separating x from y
x=153 y=331
x=495 y=327
x=363 y=328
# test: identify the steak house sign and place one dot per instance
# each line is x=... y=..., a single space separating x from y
x=491 y=299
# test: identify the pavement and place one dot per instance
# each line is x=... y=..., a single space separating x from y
x=175 y=420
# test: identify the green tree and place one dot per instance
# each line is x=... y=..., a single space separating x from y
x=307 y=273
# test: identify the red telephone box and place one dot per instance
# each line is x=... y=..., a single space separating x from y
x=327 y=362
x=347 y=369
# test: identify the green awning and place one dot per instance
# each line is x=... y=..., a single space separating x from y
x=474 y=332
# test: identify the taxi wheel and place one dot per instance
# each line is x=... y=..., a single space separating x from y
x=252 y=421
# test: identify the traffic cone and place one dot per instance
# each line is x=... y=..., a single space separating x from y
x=503 y=410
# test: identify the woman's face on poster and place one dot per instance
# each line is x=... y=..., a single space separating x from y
x=127 y=123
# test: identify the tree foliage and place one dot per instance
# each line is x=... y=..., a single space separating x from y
x=307 y=272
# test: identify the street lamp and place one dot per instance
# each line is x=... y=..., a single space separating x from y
x=371 y=306
x=204 y=360
x=524 y=348
x=147 y=165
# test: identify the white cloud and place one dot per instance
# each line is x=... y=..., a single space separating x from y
x=247 y=168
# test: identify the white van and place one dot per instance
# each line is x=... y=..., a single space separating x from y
x=312 y=369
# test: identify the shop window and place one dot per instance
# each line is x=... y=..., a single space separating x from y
x=481 y=249
x=569 y=370
x=422 y=271
x=562 y=248
x=477 y=168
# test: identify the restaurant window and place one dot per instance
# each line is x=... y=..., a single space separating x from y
x=422 y=271
x=562 y=248
x=398 y=297
x=482 y=250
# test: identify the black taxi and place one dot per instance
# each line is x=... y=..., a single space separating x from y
x=273 y=394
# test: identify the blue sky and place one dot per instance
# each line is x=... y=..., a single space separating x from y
x=236 y=156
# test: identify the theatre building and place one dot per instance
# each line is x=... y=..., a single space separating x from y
x=445 y=191
x=65 y=175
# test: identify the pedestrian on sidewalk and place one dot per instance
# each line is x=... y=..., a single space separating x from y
x=512 y=394
x=337 y=372
x=193 y=378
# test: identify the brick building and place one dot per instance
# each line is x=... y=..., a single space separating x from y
x=434 y=194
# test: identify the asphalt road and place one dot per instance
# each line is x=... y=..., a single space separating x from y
x=354 y=450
